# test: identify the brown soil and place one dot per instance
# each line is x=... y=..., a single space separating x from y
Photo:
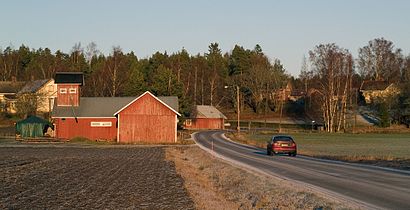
x=90 y=178
x=215 y=184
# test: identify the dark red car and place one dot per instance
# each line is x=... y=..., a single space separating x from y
x=281 y=144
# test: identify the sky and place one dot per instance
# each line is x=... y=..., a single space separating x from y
x=285 y=30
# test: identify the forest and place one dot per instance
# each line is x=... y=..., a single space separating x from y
x=330 y=76
x=196 y=79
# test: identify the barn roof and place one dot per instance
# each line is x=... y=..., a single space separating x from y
x=34 y=86
x=204 y=111
x=69 y=77
x=103 y=106
x=8 y=87
x=374 y=85
x=169 y=99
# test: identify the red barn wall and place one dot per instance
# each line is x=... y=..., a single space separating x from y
x=147 y=120
x=206 y=123
x=68 y=99
x=69 y=128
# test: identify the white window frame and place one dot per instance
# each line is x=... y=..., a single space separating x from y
x=101 y=124
x=72 y=90
x=63 y=90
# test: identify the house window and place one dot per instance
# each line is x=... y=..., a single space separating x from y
x=101 y=124
x=63 y=90
x=188 y=122
x=73 y=90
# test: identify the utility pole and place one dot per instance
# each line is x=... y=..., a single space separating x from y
x=281 y=110
x=355 y=111
x=237 y=106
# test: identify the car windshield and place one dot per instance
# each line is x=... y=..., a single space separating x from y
x=283 y=138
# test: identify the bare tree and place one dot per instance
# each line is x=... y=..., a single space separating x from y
x=116 y=72
x=333 y=66
x=405 y=73
x=91 y=51
x=380 y=61
x=28 y=103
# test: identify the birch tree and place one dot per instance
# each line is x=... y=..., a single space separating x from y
x=116 y=72
x=333 y=66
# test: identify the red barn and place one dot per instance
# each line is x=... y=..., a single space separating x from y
x=205 y=117
x=146 y=118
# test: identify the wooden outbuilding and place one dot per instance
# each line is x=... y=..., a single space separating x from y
x=205 y=117
x=145 y=118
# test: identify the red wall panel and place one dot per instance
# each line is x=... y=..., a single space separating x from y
x=69 y=128
x=68 y=99
x=147 y=120
x=206 y=123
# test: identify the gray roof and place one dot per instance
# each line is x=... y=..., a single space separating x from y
x=8 y=87
x=374 y=85
x=103 y=106
x=33 y=86
x=204 y=111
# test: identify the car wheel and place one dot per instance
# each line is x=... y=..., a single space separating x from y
x=294 y=154
x=269 y=152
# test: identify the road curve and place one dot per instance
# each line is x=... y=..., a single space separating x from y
x=366 y=186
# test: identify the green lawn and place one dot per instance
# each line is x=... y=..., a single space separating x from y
x=354 y=146
x=387 y=150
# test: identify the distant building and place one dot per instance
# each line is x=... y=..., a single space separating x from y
x=378 y=90
x=45 y=90
x=8 y=95
x=145 y=118
x=205 y=117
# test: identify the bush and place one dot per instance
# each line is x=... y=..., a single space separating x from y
x=383 y=115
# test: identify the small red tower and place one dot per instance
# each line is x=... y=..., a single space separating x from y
x=68 y=88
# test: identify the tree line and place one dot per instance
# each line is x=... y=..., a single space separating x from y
x=205 y=78
x=330 y=76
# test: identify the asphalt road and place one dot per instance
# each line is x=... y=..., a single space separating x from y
x=367 y=186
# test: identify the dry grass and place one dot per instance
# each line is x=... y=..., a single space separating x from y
x=214 y=184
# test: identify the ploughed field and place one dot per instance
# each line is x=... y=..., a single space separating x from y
x=90 y=178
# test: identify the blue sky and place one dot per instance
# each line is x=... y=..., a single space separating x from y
x=285 y=29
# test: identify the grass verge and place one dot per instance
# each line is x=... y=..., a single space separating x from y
x=215 y=184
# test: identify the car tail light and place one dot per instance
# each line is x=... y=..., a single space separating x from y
x=293 y=144
x=276 y=144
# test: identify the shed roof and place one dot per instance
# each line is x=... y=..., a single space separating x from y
x=34 y=86
x=69 y=77
x=103 y=106
x=374 y=85
x=8 y=87
x=205 y=111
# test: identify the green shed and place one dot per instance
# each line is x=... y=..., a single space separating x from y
x=33 y=127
